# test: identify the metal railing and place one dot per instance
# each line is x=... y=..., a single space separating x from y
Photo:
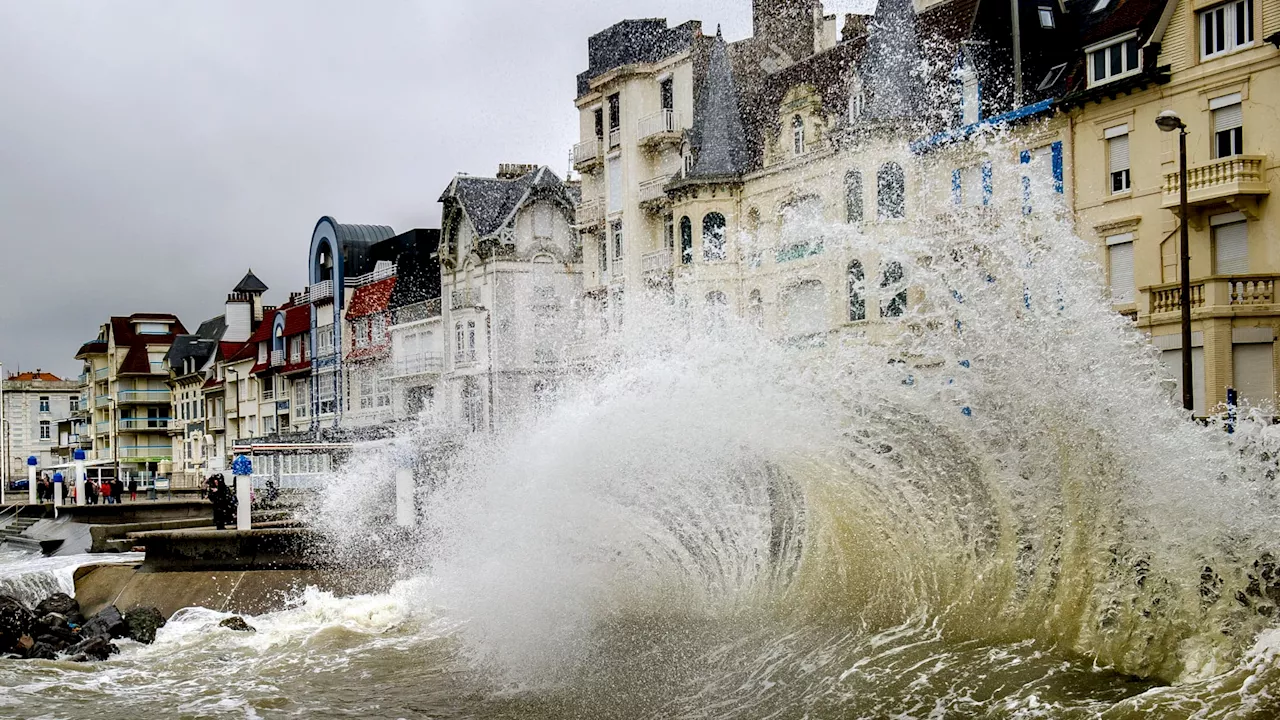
x=377 y=275
x=102 y=401
x=423 y=364
x=615 y=138
x=144 y=424
x=663 y=122
x=416 y=312
x=587 y=153
x=101 y=373
x=216 y=423
x=160 y=452
x=319 y=292
x=465 y=356
x=659 y=261
x=144 y=396
x=465 y=298
x=102 y=428
x=653 y=189
x=590 y=212
x=1240 y=174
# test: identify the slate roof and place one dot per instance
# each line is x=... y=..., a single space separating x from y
x=251 y=284
x=634 y=41
x=213 y=328
x=491 y=202
x=93 y=347
x=718 y=134
x=1117 y=18
x=193 y=347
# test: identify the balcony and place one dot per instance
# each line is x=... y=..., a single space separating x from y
x=277 y=358
x=657 y=262
x=424 y=364
x=101 y=428
x=665 y=127
x=320 y=292
x=151 y=453
x=217 y=424
x=465 y=298
x=416 y=312
x=465 y=358
x=588 y=155
x=653 y=195
x=102 y=401
x=369 y=278
x=132 y=425
x=101 y=374
x=1242 y=178
x=1219 y=296
x=144 y=397
x=591 y=213
x=615 y=138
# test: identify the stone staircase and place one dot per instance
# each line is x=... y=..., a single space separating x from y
x=17 y=527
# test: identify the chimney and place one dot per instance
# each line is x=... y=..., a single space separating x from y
x=855 y=27
x=513 y=171
x=787 y=25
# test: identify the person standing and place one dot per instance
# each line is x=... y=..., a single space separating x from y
x=133 y=489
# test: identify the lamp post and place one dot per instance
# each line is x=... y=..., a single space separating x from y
x=1168 y=121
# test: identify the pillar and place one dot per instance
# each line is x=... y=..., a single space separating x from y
x=32 y=462
x=57 y=493
x=406 y=512
x=80 y=477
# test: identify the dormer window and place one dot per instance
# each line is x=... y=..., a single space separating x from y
x=1046 y=17
x=970 y=93
x=1052 y=77
x=150 y=328
x=1113 y=60
x=1226 y=28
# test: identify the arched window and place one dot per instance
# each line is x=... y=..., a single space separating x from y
x=755 y=309
x=854 y=196
x=857 y=302
x=892 y=281
x=713 y=243
x=804 y=309
x=891 y=191
x=797 y=134
x=686 y=240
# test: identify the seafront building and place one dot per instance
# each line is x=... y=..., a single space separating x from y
x=35 y=403
x=729 y=175
x=1217 y=64
x=126 y=378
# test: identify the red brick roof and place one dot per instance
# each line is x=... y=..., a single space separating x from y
x=370 y=299
x=35 y=376
x=297 y=320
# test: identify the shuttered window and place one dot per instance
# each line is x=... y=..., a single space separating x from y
x=1255 y=373
x=1230 y=244
x=1120 y=268
x=1172 y=360
x=1228 y=130
x=1118 y=154
x=614 y=171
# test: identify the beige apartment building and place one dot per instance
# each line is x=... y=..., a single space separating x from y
x=1216 y=64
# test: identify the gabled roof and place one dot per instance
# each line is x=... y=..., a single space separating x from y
x=718 y=135
x=251 y=284
x=297 y=320
x=370 y=299
x=490 y=203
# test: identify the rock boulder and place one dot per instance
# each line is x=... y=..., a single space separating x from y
x=237 y=624
x=15 y=621
x=98 y=647
x=108 y=623
x=143 y=623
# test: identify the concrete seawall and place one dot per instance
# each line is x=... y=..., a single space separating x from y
x=248 y=592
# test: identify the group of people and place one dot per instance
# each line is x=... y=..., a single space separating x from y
x=106 y=491
x=109 y=492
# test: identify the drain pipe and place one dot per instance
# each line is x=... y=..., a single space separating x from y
x=1017 y=53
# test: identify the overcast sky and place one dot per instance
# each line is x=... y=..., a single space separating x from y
x=153 y=150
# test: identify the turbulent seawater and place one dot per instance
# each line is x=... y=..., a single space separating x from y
x=994 y=509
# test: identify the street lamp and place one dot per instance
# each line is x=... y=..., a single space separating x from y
x=1168 y=121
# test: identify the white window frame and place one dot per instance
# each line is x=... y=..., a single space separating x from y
x=46 y=430
x=1046 y=17
x=44 y=403
x=1114 y=241
x=1231 y=43
x=1111 y=74
x=1112 y=135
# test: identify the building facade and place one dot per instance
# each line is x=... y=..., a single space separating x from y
x=34 y=405
x=1217 y=65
